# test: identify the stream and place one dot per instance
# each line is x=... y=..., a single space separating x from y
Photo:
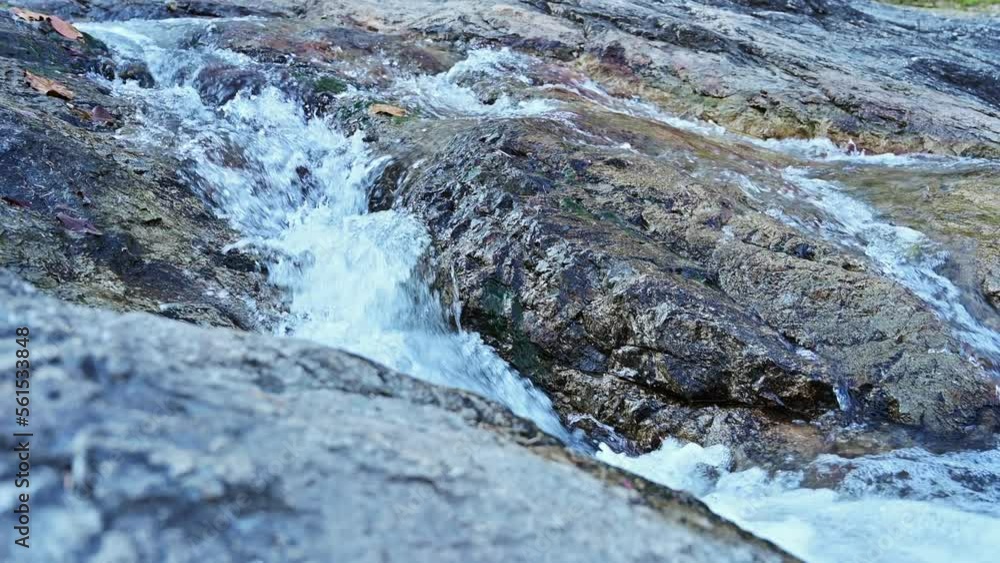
x=296 y=190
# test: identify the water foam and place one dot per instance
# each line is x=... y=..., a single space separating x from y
x=449 y=94
x=904 y=506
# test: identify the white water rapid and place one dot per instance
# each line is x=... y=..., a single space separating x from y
x=907 y=506
x=297 y=188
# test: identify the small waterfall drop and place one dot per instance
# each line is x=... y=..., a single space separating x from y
x=297 y=188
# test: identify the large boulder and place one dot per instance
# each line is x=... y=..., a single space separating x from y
x=659 y=304
x=155 y=440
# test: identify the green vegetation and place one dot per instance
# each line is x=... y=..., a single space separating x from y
x=502 y=314
x=576 y=208
x=330 y=84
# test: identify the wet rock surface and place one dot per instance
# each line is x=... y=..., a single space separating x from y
x=848 y=70
x=864 y=71
x=164 y=441
x=961 y=206
x=158 y=9
x=664 y=306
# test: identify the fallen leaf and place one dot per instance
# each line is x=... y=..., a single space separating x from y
x=28 y=15
x=386 y=109
x=14 y=202
x=48 y=87
x=100 y=115
x=65 y=28
x=77 y=225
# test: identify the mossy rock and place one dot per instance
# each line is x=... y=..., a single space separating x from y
x=329 y=85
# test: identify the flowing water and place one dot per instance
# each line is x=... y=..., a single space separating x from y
x=296 y=189
x=904 y=506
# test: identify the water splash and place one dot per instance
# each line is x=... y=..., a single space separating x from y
x=450 y=94
x=824 y=150
x=298 y=189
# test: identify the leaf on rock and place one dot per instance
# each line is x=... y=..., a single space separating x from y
x=14 y=202
x=65 y=28
x=77 y=225
x=100 y=115
x=386 y=109
x=61 y=26
x=28 y=15
x=48 y=87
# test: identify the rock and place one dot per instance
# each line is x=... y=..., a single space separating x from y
x=859 y=71
x=386 y=109
x=158 y=440
x=160 y=9
x=661 y=306
x=221 y=83
x=960 y=207
x=991 y=285
x=137 y=71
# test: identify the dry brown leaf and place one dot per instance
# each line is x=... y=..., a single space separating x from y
x=77 y=225
x=65 y=28
x=15 y=202
x=100 y=115
x=28 y=15
x=386 y=109
x=61 y=26
x=48 y=87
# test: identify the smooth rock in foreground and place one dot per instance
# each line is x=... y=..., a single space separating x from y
x=160 y=441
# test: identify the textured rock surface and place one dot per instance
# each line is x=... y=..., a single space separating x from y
x=159 y=441
x=159 y=9
x=888 y=78
x=963 y=207
x=663 y=305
